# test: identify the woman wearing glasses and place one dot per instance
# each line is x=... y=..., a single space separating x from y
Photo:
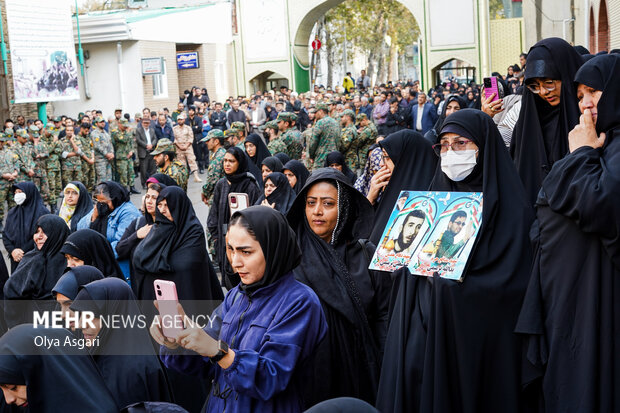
x=549 y=111
x=450 y=345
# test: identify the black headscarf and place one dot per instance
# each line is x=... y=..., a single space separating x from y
x=540 y=136
x=598 y=74
x=59 y=378
x=176 y=251
x=94 y=249
x=71 y=281
x=21 y=220
x=164 y=179
x=300 y=171
x=448 y=337
x=569 y=316
x=414 y=167
x=284 y=158
x=273 y=163
x=283 y=196
x=261 y=149
x=242 y=176
x=432 y=134
x=125 y=356
x=83 y=207
x=276 y=239
x=338 y=274
x=118 y=196
x=337 y=158
x=37 y=272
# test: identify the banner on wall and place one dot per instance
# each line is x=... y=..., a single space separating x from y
x=42 y=49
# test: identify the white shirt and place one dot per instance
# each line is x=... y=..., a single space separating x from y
x=148 y=136
x=418 y=121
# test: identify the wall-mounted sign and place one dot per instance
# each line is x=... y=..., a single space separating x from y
x=187 y=60
x=152 y=66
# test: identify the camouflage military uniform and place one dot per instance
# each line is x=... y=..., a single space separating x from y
x=54 y=180
x=102 y=143
x=291 y=137
x=348 y=139
x=71 y=167
x=25 y=160
x=123 y=146
x=40 y=155
x=325 y=139
x=177 y=171
x=366 y=139
x=7 y=166
x=85 y=144
x=214 y=173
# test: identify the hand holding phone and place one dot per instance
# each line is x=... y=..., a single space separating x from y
x=237 y=201
x=170 y=319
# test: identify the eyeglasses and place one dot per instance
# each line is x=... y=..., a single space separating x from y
x=458 y=145
x=534 y=87
x=385 y=157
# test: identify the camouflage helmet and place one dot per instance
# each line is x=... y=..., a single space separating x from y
x=163 y=145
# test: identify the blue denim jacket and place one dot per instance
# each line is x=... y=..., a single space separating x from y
x=273 y=333
x=118 y=221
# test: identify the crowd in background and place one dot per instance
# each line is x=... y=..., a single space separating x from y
x=300 y=188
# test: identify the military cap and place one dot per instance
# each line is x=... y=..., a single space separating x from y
x=123 y=122
x=213 y=133
x=9 y=132
x=57 y=119
x=272 y=124
x=138 y=116
x=99 y=119
x=237 y=126
x=322 y=106
x=361 y=116
x=33 y=130
x=182 y=115
x=284 y=116
x=350 y=113
x=80 y=115
x=22 y=133
x=293 y=117
x=163 y=145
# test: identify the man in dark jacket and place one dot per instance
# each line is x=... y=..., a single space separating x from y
x=218 y=118
x=163 y=129
x=195 y=122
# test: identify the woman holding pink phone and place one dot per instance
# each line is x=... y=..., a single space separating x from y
x=271 y=324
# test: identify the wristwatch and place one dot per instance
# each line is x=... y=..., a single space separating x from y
x=222 y=351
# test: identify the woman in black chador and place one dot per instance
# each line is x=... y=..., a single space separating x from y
x=450 y=345
x=571 y=312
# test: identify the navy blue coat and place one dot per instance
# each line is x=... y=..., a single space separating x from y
x=428 y=119
x=165 y=132
x=274 y=334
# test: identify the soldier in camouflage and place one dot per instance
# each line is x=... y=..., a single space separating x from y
x=367 y=136
x=49 y=135
x=104 y=151
x=348 y=139
x=290 y=135
x=71 y=156
x=215 y=142
x=123 y=141
x=237 y=135
x=275 y=144
x=163 y=154
x=25 y=159
x=87 y=155
x=325 y=137
x=40 y=155
x=8 y=173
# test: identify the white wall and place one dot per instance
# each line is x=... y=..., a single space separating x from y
x=104 y=84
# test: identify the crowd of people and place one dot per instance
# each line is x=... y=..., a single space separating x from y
x=300 y=188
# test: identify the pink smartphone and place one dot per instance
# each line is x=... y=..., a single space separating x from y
x=237 y=201
x=167 y=299
x=490 y=87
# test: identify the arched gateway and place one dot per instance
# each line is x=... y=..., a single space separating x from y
x=274 y=36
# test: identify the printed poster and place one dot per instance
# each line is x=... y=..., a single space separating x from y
x=430 y=233
x=43 y=57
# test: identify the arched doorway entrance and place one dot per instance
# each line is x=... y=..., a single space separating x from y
x=268 y=80
x=603 y=27
x=461 y=70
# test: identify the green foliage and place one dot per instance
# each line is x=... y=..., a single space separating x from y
x=363 y=19
x=496 y=9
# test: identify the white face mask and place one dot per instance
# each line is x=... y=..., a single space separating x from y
x=458 y=165
x=19 y=198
